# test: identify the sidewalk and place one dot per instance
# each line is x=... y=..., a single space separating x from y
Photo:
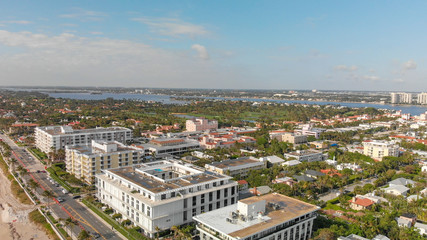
x=102 y=220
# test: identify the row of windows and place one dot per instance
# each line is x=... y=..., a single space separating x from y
x=210 y=196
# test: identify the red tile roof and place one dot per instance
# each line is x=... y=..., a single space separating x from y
x=363 y=202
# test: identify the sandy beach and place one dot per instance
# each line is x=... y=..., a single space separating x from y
x=14 y=222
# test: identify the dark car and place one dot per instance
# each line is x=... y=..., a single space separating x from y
x=95 y=235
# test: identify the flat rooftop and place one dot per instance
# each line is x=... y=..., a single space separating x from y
x=303 y=153
x=290 y=208
x=235 y=162
x=142 y=177
x=88 y=149
x=181 y=144
x=57 y=130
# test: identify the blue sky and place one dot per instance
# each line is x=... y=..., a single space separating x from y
x=342 y=45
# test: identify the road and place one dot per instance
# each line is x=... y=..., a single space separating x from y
x=335 y=192
x=70 y=207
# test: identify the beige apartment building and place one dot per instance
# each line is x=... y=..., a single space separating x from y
x=84 y=161
x=200 y=124
x=294 y=138
x=379 y=149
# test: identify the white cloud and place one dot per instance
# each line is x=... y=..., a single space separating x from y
x=172 y=27
x=70 y=60
x=409 y=65
x=346 y=68
x=23 y=22
x=96 y=33
x=85 y=15
x=201 y=51
x=371 y=78
x=398 y=80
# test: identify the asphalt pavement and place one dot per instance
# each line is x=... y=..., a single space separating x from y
x=69 y=207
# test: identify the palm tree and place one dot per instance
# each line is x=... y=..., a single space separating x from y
x=22 y=171
x=157 y=232
x=12 y=162
x=69 y=222
x=49 y=194
x=175 y=230
x=33 y=184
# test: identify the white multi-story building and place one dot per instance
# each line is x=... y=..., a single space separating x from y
x=201 y=124
x=173 y=146
x=422 y=98
x=84 y=161
x=52 y=138
x=401 y=97
x=268 y=217
x=379 y=149
x=162 y=194
x=305 y=155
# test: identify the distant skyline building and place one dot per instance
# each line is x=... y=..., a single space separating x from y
x=401 y=97
x=422 y=98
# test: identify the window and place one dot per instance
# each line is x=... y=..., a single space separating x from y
x=194 y=201
x=233 y=190
x=225 y=203
x=202 y=199
x=218 y=194
x=210 y=197
x=210 y=207
x=163 y=196
x=226 y=192
x=185 y=216
x=194 y=212
x=202 y=209
x=218 y=205
x=185 y=203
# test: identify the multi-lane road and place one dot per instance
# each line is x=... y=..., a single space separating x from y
x=70 y=206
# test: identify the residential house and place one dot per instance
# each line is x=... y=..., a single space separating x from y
x=314 y=174
x=357 y=203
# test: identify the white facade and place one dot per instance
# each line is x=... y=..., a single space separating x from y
x=268 y=217
x=422 y=98
x=57 y=137
x=305 y=155
x=173 y=146
x=380 y=149
x=401 y=97
x=164 y=194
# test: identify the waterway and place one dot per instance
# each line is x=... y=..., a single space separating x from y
x=166 y=99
